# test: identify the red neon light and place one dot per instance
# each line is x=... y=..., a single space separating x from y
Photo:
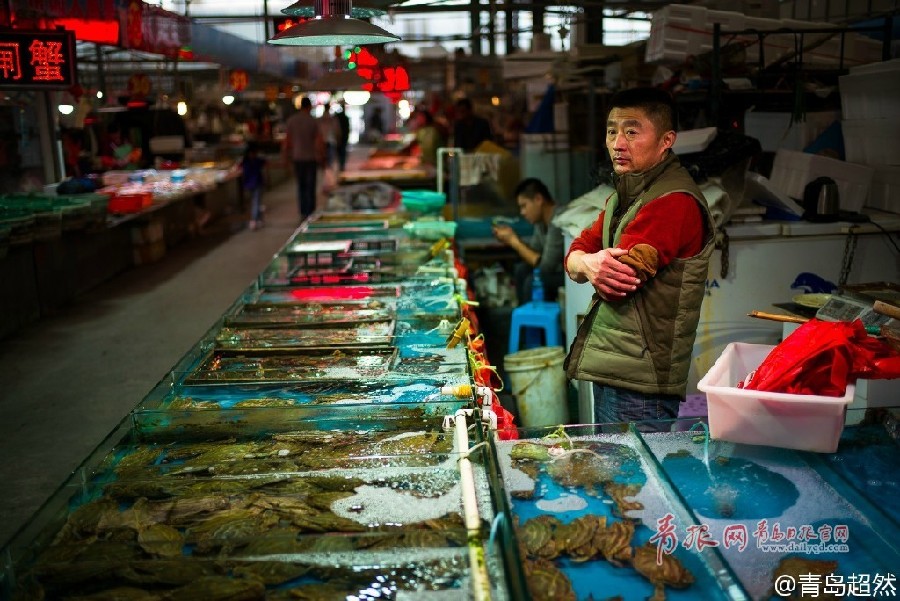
x=326 y=293
x=91 y=30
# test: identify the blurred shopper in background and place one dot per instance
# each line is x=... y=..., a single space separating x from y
x=304 y=146
x=253 y=166
x=343 y=137
x=469 y=130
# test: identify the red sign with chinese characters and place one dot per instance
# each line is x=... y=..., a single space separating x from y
x=37 y=59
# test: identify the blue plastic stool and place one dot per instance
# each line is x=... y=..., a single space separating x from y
x=541 y=315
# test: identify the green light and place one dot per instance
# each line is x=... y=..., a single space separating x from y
x=357 y=50
x=347 y=54
x=351 y=65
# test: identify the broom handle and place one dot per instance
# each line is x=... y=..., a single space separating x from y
x=777 y=317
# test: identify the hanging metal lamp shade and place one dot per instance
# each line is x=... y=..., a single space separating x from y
x=303 y=8
x=333 y=26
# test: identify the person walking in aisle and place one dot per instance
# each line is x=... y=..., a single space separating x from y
x=304 y=146
x=253 y=167
x=343 y=138
x=328 y=125
x=646 y=256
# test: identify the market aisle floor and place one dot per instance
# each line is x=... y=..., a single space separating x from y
x=68 y=380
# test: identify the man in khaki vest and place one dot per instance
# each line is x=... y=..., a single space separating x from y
x=647 y=257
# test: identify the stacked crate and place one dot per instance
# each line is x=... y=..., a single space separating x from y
x=870 y=104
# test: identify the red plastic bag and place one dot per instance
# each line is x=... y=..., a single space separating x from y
x=506 y=424
x=822 y=357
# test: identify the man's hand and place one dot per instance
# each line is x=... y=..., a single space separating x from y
x=505 y=234
x=611 y=278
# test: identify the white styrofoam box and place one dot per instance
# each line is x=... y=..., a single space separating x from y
x=884 y=193
x=871 y=91
x=727 y=19
x=793 y=421
x=780 y=45
x=826 y=53
x=775 y=130
x=792 y=170
x=676 y=31
x=872 y=141
x=752 y=42
x=878 y=393
x=862 y=50
x=694 y=140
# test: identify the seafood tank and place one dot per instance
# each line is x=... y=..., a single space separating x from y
x=309 y=513
x=611 y=510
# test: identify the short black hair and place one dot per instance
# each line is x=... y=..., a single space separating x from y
x=657 y=103
x=305 y=103
x=531 y=187
x=464 y=103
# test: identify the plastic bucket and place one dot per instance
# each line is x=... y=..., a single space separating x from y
x=538 y=382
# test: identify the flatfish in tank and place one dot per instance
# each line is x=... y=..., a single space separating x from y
x=731 y=487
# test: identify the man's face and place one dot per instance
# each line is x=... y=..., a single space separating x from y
x=633 y=142
x=530 y=208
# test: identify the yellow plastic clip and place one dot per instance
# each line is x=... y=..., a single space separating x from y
x=463 y=301
x=459 y=332
x=439 y=247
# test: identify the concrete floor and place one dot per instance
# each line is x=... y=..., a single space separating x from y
x=68 y=380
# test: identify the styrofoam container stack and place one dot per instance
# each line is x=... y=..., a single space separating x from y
x=781 y=45
x=792 y=170
x=752 y=42
x=870 y=104
x=884 y=194
x=676 y=31
x=872 y=142
x=728 y=21
x=792 y=421
x=871 y=91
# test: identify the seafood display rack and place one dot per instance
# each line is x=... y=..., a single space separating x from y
x=339 y=440
x=301 y=449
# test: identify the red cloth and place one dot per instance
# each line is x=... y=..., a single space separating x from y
x=681 y=237
x=821 y=357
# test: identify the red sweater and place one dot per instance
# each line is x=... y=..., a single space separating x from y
x=672 y=224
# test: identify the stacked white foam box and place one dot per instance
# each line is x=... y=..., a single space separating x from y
x=752 y=43
x=679 y=30
x=676 y=32
x=792 y=170
x=870 y=103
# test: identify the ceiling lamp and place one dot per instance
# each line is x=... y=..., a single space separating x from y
x=341 y=81
x=333 y=26
x=302 y=8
